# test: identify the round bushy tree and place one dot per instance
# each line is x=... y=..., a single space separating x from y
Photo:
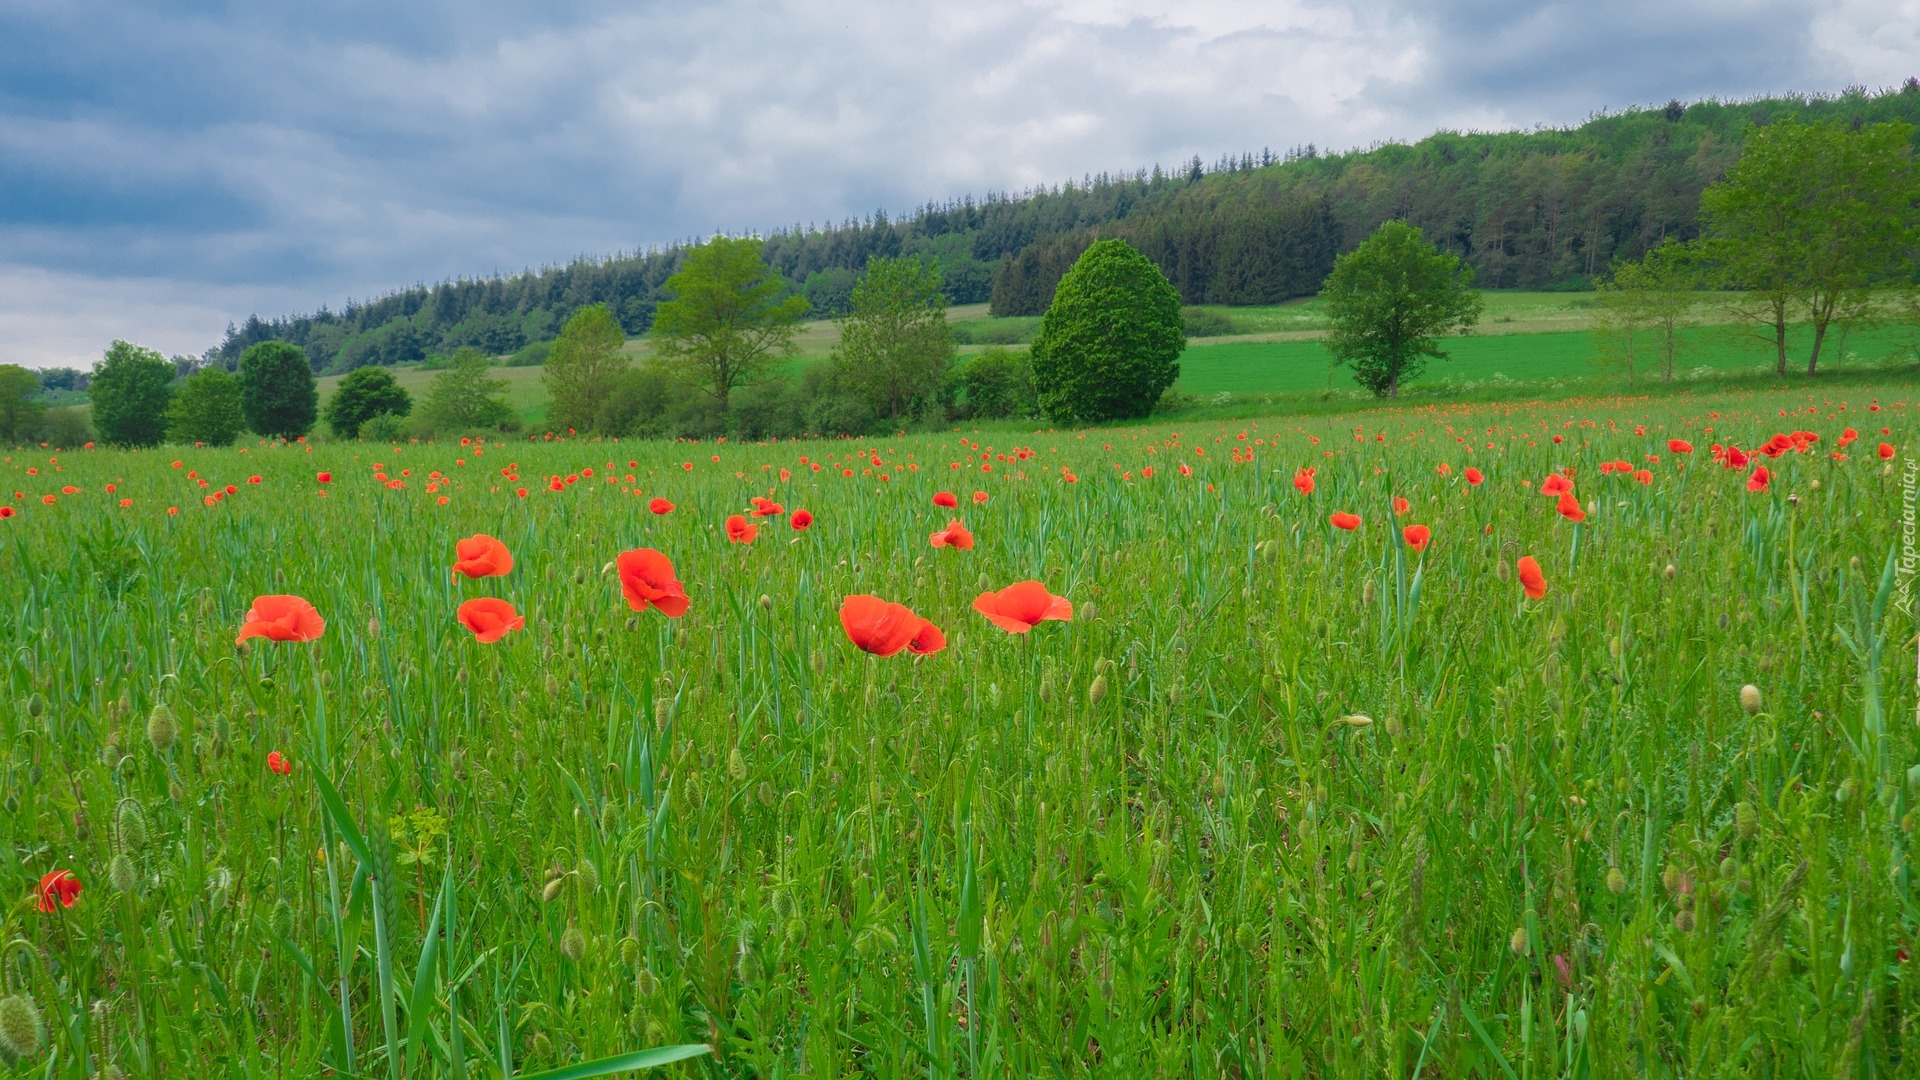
x=1110 y=343
x=206 y=409
x=130 y=390
x=365 y=393
x=277 y=392
x=1390 y=300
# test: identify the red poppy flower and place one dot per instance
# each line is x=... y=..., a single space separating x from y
x=766 y=507
x=740 y=530
x=1400 y=505
x=325 y=477
x=1760 y=479
x=1848 y=436
x=1645 y=477
x=1531 y=579
x=1021 y=606
x=660 y=506
x=1886 y=451
x=1474 y=476
x=881 y=628
x=802 y=520
x=1556 y=484
x=1417 y=536
x=481 y=556
x=1303 y=480
x=278 y=763
x=955 y=535
x=1343 y=520
x=1679 y=446
x=646 y=579
x=58 y=889
x=1569 y=508
x=946 y=499
x=979 y=496
x=490 y=618
x=6 y=511
x=282 y=618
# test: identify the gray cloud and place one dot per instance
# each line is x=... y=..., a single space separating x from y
x=172 y=167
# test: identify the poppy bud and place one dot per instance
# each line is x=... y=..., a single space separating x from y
x=736 y=765
x=1366 y=594
x=121 y=875
x=645 y=983
x=1750 y=698
x=1746 y=819
x=1668 y=572
x=1613 y=647
x=161 y=728
x=1519 y=942
x=1088 y=612
x=22 y=1033
x=1356 y=721
x=553 y=686
x=552 y=891
x=1845 y=791
x=766 y=793
x=680 y=638
x=629 y=949
x=175 y=791
x=539 y=1046
x=580 y=575
x=36 y=705
x=766 y=602
x=461 y=676
x=281 y=922
x=132 y=825
x=589 y=875
x=1729 y=868
x=1683 y=921
x=1580 y=1025
x=373 y=629
x=662 y=711
x=1616 y=881
x=609 y=819
x=1046 y=685
x=1671 y=879
x=1500 y=571
x=1097 y=692
x=81 y=830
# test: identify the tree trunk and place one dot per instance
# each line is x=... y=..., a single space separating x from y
x=1780 y=345
x=1813 y=358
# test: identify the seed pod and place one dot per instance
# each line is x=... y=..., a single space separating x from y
x=629 y=950
x=645 y=983
x=680 y=638
x=766 y=602
x=539 y=1047
x=984 y=583
x=552 y=892
x=766 y=793
x=22 y=1033
x=132 y=825
x=589 y=875
x=373 y=629
x=1097 y=692
x=736 y=765
x=573 y=943
x=36 y=705
x=1356 y=721
x=1088 y=612
x=609 y=819
x=162 y=728
x=1366 y=593
x=1729 y=868
x=122 y=875
x=1750 y=699
x=1746 y=819
x=1046 y=685
x=1683 y=921
x=282 y=920
x=1616 y=881
x=1519 y=942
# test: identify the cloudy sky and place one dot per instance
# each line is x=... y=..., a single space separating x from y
x=166 y=166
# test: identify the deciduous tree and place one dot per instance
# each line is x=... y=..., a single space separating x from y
x=1644 y=306
x=730 y=318
x=584 y=368
x=365 y=393
x=1110 y=343
x=130 y=390
x=896 y=345
x=206 y=409
x=19 y=412
x=277 y=391
x=1390 y=300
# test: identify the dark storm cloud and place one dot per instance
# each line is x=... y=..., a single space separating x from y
x=167 y=167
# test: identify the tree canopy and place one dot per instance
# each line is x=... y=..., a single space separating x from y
x=277 y=391
x=584 y=368
x=206 y=409
x=895 y=345
x=365 y=393
x=130 y=390
x=19 y=412
x=1110 y=343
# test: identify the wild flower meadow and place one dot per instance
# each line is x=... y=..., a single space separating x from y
x=1551 y=739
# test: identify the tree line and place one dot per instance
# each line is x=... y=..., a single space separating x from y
x=1541 y=209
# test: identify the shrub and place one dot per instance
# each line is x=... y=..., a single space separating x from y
x=364 y=394
x=1207 y=322
x=532 y=354
x=382 y=427
x=1110 y=344
x=994 y=385
x=64 y=426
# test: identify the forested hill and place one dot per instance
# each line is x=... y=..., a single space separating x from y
x=1538 y=210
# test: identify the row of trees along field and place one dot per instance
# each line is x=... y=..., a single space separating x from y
x=1540 y=209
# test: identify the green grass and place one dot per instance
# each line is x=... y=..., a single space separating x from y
x=1491 y=359
x=1279 y=800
